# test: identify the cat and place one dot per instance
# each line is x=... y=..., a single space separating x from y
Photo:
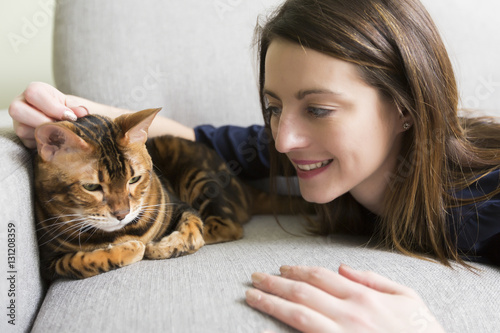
x=106 y=196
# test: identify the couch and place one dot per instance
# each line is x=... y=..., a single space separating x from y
x=195 y=59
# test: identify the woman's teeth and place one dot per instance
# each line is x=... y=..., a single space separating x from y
x=309 y=167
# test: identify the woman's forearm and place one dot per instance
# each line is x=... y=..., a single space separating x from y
x=160 y=126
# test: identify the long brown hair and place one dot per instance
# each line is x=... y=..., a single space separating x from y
x=398 y=50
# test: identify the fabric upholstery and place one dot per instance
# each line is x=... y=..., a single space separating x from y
x=204 y=292
x=17 y=209
x=193 y=58
x=196 y=58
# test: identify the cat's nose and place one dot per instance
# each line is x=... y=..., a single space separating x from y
x=120 y=214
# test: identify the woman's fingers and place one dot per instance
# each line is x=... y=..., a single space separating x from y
x=25 y=118
x=296 y=315
x=49 y=101
x=375 y=282
x=26 y=115
x=79 y=111
x=26 y=134
x=298 y=292
x=322 y=278
x=41 y=103
x=345 y=283
x=307 y=298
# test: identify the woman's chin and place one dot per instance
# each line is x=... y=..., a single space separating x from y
x=310 y=195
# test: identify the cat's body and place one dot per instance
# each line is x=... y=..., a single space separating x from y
x=101 y=205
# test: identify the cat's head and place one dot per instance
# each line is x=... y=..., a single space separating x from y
x=96 y=169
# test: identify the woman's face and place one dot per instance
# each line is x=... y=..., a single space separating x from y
x=339 y=133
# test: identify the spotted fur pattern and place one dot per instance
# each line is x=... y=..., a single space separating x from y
x=107 y=198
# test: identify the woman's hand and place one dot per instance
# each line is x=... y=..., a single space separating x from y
x=41 y=103
x=313 y=299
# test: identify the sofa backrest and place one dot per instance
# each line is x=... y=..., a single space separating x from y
x=195 y=58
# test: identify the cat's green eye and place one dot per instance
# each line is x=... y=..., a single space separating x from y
x=134 y=180
x=92 y=187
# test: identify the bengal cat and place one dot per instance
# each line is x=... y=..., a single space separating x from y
x=107 y=197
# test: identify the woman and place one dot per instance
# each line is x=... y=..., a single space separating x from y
x=361 y=101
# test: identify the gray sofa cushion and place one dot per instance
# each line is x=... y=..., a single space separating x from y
x=17 y=232
x=204 y=292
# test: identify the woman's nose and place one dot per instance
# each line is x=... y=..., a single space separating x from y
x=289 y=133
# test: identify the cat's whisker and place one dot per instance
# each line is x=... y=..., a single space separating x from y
x=77 y=231
x=93 y=232
x=55 y=224
x=83 y=229
x=43 y=225
x=60 y=226
x=76 y=224
x=50 y=200
x=161 y=204
x=155 y=208
x=59 y=217
x=65 y=222
x=60 y=233
x=70 y=237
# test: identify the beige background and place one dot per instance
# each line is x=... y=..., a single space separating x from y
x=25 y=45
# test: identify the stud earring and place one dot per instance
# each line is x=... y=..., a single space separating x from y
x=406 y=126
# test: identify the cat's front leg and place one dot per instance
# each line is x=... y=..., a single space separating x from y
x=186 y=239
x=86 y=264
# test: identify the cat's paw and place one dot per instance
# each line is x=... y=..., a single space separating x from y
x=217 y=229
x=127 y=253
x=174 y=245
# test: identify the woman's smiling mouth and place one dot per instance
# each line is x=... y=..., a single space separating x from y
x=312 y=166
x=308 y=169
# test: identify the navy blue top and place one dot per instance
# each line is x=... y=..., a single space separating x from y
x=243 y=148
x=475 y=226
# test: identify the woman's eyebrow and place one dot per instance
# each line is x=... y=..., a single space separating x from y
x=270 y=93
x=303 y=93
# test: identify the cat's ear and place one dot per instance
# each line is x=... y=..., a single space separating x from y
x=135 y=125
x=54 y=138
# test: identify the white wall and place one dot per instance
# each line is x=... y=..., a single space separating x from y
x=471 y=32
x=25 y=45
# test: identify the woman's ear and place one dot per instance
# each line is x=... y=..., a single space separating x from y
x=406 y=126
x=405 y=119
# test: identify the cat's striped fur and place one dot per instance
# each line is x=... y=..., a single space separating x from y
x=104 y=200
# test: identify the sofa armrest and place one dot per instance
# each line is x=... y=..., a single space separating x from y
x=21 y=286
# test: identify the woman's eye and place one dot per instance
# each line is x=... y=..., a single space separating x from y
x=318 y=112
x=134 y=180
x=92 y=187
x=273 y=111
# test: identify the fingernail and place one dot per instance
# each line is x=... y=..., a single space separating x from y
x=285 y=269
x=69 y=115
x=83 y=107
x=252 y=296
x=257 y=278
